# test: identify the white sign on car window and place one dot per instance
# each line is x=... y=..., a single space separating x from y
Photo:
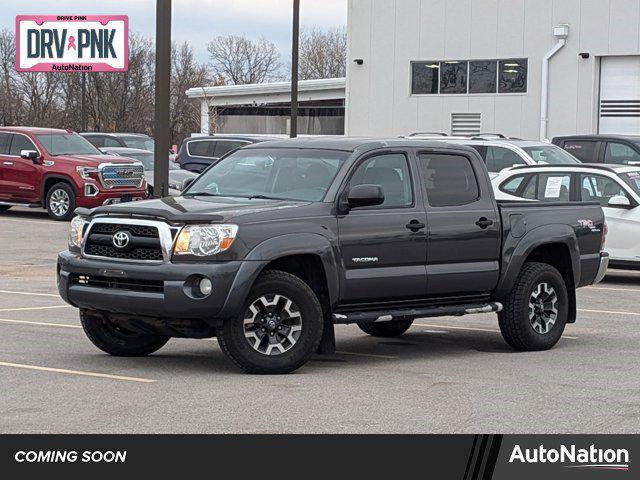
x=554 y=185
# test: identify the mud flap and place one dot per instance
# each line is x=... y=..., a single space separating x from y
x=328 y=341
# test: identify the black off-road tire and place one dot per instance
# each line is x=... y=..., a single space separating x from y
x=386 y=329
x=515 y=325
x=55 y=190
x=231 y=336
x=116 y=341
x=4 y=208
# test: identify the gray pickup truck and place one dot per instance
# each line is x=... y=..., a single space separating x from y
x=278 y=242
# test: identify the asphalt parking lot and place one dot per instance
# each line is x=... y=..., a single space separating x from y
x=447 y=375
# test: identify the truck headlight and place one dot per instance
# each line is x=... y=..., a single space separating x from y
x=76 y=232
x=87 y=172
x=204 y=240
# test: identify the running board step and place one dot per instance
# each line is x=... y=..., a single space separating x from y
x=20 y=204
x=411 y=313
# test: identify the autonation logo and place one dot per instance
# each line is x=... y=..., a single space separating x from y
x=573 y=457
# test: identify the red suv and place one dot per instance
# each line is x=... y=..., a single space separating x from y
x=59 y=170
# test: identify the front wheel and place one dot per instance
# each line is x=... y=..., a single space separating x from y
x=386 y=329
x=118 y=341
x=4 y=208
x=61 y=201
x=279 y=328
x=535 y=312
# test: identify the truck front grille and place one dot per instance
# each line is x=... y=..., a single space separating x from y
x=113 y=176
x=131 y=284
x=143 y=242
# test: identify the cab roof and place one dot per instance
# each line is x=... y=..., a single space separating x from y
x=34 y=130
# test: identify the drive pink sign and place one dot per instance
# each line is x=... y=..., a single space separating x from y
x=72 y=43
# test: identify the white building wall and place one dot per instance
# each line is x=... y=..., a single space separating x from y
x=389 y=34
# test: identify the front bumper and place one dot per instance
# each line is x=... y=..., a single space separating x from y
x=107 y=197
x=231 y=282
x=602 y=269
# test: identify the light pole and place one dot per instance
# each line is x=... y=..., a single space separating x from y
x=161 y=118
x=294 y=68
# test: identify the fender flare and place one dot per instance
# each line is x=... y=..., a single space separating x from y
x=60 y=177
x=279 y=247
x=516 y=255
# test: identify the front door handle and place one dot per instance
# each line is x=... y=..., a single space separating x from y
x=484 y=222
x=415 y=225
x=8 y=164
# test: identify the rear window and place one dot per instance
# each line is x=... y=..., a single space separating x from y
x=201 y=148
x=583 y=150
x=449 y=180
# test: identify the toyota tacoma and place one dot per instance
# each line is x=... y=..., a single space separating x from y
x=278 y=242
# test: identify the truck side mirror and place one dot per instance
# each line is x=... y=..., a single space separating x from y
x=365 y=196
x=30 y=155
x=619 y=201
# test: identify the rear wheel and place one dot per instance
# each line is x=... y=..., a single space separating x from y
x=61 y=201
x=386 y=329
x=535 y=312
x=279 y=328
x=118 y=341
x=4 y=208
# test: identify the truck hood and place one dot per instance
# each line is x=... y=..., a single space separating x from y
x=91 y=160
x=195 y=209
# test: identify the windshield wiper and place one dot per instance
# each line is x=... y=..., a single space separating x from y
x=204 y=194
x=263 y=197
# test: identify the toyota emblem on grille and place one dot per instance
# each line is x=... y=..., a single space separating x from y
x=121 y=239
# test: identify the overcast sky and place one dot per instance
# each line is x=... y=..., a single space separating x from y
x=196 y=21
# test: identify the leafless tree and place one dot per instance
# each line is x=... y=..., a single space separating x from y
x=241 y=61
x=323 y=53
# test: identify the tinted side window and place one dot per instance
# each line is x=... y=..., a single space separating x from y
x=449 y=180
x=582 y=150
x=201 y=148
x=554 y=187
x=224 y=146
x=499 y=158
x=390 y=171
x=620 y=153
x=4 y=143
x=96 y=141
x=597 y=188
x=111 y=142
x=19 y=143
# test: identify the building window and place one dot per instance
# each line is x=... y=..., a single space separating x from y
x=513 y=76
x=483 y=76
x=453 y=77
x=469 y=76
x=424 y=78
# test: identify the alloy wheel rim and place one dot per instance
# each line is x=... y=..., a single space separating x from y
x=272 y=324
x=543 y=308
x=60 y=202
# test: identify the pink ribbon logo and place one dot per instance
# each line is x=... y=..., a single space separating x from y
x=72 y=43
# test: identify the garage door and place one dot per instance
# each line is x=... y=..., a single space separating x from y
x=620 y=95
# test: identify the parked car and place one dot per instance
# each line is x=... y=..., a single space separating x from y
x=197 y=153
x=130 y=140
x=270 y=247
x=614 y=149
x=59 y=170
x=615 y=187
x=500 y=153
x=177 y=176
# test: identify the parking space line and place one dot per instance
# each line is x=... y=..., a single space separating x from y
x=372 y=355
x=471 y=329
x=610 y=312
x=24 y=309
x=76 y=372
x=41 y=324
x=40 y=222
x=31 y=294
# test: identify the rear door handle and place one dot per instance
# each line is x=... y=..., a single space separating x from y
x=415 y=225
x=484 y=222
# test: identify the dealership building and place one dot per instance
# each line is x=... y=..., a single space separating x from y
x=525 y=68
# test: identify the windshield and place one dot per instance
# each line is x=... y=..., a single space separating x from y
x=143 y=143
x=550 y=154
x=276 y=173
x=146 y=158
x=67 y=144
x=633 y=180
